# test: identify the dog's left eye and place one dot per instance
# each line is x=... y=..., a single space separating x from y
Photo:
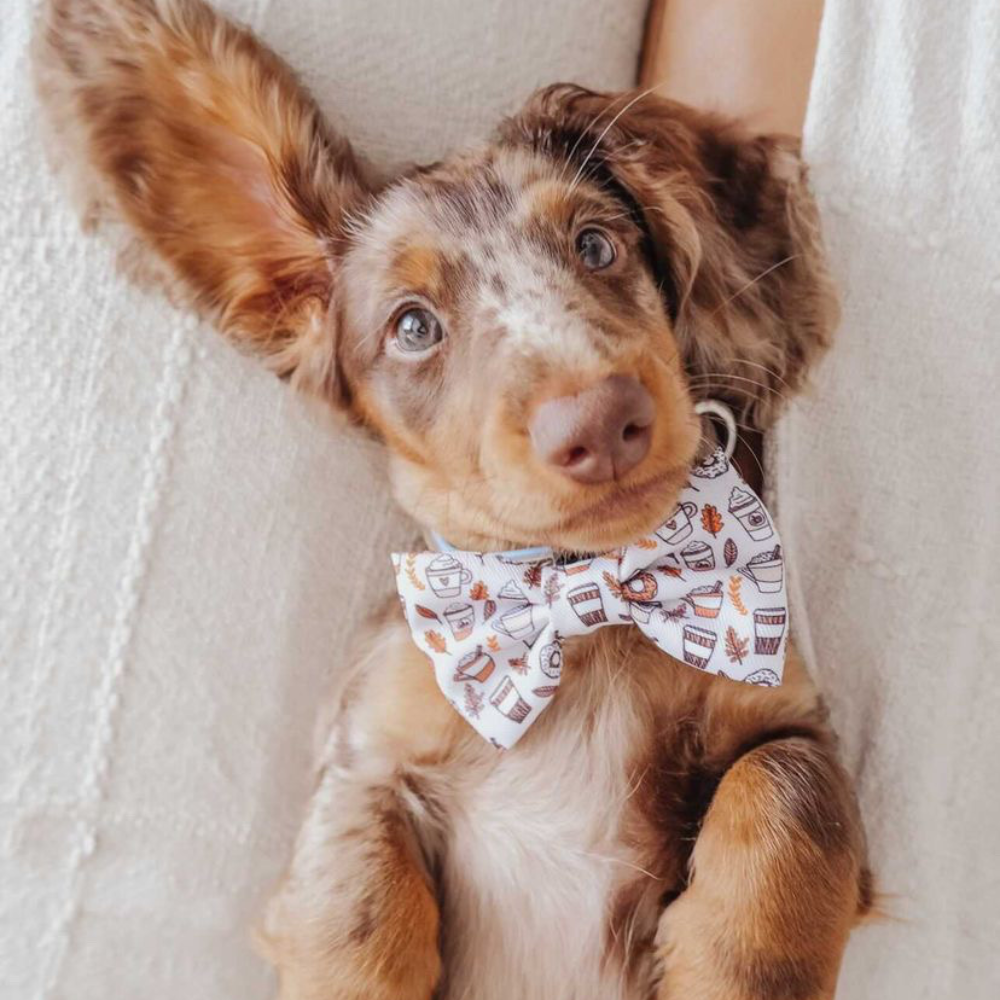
x=595 y=249
x=418 y=330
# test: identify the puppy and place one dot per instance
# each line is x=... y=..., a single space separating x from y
x=659 y=832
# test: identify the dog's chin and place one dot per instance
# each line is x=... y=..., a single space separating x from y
x=619 y=518
x=599 y=520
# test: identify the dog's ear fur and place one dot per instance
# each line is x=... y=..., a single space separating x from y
x=204 y=143
x=734 y=232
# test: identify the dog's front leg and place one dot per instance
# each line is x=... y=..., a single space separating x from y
x=356 y=917
x=778 y=880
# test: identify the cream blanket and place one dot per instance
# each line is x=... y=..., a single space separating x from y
x=174 y=526
x=170 y=518
x=888 y=477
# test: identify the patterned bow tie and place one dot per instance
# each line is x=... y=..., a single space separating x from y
x=708 y=587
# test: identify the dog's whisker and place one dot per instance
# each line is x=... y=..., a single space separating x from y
x=721 y=379
x=753 y=281
x=607 y=128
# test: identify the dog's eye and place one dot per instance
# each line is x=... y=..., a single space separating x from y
x=417 y=330
x=595 y=249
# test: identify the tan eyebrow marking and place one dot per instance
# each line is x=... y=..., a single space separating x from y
x=419 y=268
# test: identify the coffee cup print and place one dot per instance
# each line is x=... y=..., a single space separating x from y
x=461 y=619
x=475 y=666
x=587 y=602
x=573 y=568
x=507 y=701
x=768 y=630
x=767 y=571
x=518 y=623
x=699 y=644
x=698 y=556
x=678 y=526
x=446 y=576
x=749 y=511
x=642 y=611
x=706 y=601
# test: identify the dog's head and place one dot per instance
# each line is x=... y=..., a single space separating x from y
x=527 y=326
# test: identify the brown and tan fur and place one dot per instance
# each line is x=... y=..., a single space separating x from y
x=658 y=833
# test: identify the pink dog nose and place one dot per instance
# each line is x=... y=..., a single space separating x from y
x=600 y=433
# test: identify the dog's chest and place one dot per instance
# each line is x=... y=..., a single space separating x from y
x=537 y=860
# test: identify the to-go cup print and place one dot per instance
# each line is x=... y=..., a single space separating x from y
x=460 y=618
x=507 y=701
x=678 y=526
x=446 y=576
x=699 y=644
x=587 y=602
x=768 y=630
x=749 y=511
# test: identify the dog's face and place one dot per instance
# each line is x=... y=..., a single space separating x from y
x=502 y=330
x=527 y=326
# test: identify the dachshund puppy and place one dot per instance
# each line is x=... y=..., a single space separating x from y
x=659 y=832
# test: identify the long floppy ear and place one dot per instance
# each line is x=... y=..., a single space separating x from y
x=204 y=143
x=734 y=232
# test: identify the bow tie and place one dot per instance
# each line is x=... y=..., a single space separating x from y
x=708 y=587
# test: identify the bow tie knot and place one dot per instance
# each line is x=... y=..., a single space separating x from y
x=493 y=623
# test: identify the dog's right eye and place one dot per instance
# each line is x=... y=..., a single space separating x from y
x=417 y=330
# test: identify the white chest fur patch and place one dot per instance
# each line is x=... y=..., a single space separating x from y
x=533 y=861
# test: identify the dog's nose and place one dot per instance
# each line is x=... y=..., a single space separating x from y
x=598 y=434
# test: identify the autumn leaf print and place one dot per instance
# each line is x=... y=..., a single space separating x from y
x=533 y=575
x=552 y=589
x=729 y=552
x=674 y=571
x=735 y=586
x=489 y=610
x=426 y=613
x=711 y=519
x=436 y=641
x=736 y=647
x=674 y=614
x=411 y=572
x=545 y=692
x=519 y=664
x=473 y=702
x=492 y=644
x=479 y=591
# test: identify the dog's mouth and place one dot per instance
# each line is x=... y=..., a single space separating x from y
x=621 y=516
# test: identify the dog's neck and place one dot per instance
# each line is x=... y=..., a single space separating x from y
x=497 y=546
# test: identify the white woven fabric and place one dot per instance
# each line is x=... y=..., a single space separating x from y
x=888 y=477
x=174 y=527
